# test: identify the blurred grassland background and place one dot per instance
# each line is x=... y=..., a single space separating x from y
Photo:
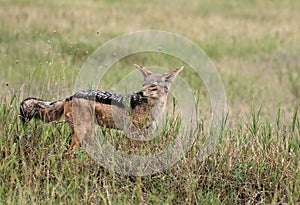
x=255 y=47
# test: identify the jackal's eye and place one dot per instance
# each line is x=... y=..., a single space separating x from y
x=153 y=87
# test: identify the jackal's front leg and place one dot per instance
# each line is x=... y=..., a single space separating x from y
x=137 y=132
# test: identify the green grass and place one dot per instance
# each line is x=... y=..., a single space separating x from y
x=254 y=45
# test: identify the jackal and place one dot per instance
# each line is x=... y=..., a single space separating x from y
x=84 y=109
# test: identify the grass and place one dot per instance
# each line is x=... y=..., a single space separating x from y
x=254 y=46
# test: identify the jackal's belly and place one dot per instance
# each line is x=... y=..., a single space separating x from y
x=111 y=116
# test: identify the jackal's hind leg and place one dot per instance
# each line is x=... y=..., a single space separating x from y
x=81 y=121
x=75 y=143
x=80 y=133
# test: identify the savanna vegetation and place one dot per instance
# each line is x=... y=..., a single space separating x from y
x=255 y=48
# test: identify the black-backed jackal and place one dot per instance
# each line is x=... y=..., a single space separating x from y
x=84 y=109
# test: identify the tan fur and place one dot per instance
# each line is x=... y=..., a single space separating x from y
x=82 y=114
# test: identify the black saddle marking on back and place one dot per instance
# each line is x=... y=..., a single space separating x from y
x=104 y=97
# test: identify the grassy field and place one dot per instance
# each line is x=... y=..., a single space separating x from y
x=255 y=47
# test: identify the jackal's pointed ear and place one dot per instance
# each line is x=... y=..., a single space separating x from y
x=143 y=70
x=170 y=76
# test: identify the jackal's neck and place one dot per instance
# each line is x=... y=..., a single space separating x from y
x=158 y=106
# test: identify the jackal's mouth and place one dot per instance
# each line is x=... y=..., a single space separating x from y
x=154 y=89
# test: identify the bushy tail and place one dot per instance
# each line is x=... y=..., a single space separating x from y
x=40 y=109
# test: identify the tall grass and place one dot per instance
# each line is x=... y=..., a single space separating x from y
x=257 y=162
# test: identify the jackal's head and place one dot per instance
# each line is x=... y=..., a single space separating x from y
x=157 y=85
